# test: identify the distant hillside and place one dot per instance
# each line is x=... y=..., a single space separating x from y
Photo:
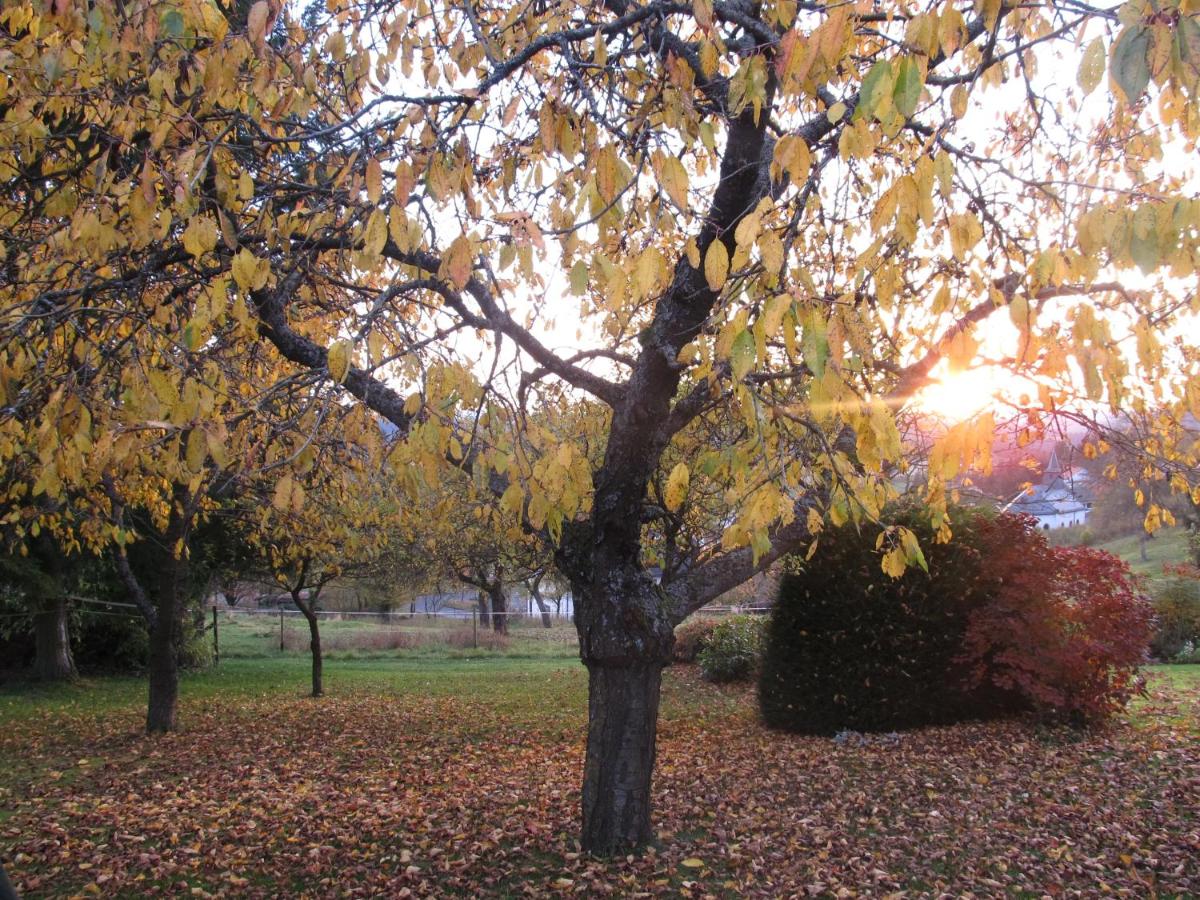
x=1169 y=545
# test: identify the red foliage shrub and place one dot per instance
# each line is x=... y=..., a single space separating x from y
x=1181 y=570
x=1066 y=627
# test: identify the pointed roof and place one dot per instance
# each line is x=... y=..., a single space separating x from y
x=1053 y=469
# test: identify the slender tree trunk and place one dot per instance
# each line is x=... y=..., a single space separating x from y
x=314 y=643
x=541 y=605
x=624 y=677
x=52 y=640
x=485 y=618
x=308 y=608
x=1143 y=540
x=499 y=608
x=161 y=602
x=535 y=590
x=7 y=891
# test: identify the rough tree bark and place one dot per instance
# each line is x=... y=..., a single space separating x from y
x=52 y=642
x=625 y=641
x=495 y=592
x=163 y=667
x=485 y=618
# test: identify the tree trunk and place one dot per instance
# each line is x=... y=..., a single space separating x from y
x=499 y=609
x=166 y=632
x=52 y=641
x=625 y=666
x=535 y=590
x=485 y=618
x=314 y=643
x=1143 y=540
x=622 y=723
x=541 y=605
x=164 y=664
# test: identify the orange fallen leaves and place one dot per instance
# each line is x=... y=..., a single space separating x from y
x=374 y=794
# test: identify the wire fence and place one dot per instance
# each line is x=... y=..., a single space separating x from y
x=256 y=632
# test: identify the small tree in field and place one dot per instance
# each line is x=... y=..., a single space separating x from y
x=326 y=520
x=464 y=538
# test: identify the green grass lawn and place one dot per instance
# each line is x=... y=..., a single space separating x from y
x=460 y=777
x=1168 y=545
x=236 y=680
x=1182 y=680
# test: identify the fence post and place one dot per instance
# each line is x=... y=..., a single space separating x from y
x=281 y=629
x=216 y=639
x=475 y=627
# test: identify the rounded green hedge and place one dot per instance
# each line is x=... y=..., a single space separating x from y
x=849 y=647
x=1000 y=623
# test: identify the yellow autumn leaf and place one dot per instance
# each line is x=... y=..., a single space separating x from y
x=200 y=236
x=249 y=272
x=716 y=265
x=651 y=268
x=374 y=180
x=283 y=493
x=375 y=234
x=256 y=22
x=458 y=262
x=339 y=360
x=375 y=348
x=958 y=101
x=770 y=248
x=965 y=233
x=894 y=562
x=398 y=227
x=677 y=487
x=774 y=311
x=693 y=863
x=197 y=448
x=513 y=499
x=791 y=157
x=675 y=180
x=579 y=277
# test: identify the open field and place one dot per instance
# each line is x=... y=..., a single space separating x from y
x=1169 y=545
x=460 y=777
x=257 y=635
